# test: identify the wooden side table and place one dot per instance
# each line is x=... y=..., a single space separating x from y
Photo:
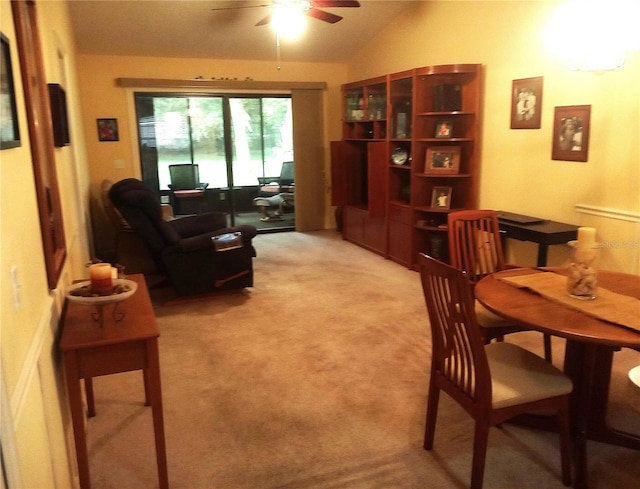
x=544 y=233
x=90 y=350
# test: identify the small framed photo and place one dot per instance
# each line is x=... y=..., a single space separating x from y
x=108 y=130
x=9 y=130
x=571 y=133
x=526 y=103
x=441 y=197
x=444 y=129
x=442 y=160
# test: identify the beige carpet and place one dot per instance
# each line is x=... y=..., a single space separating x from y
x=317 y=378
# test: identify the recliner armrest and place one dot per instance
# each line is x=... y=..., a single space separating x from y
x=203 y=241
x=195 y=225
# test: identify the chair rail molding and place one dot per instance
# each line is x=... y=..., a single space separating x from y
x=619 y=214
x=622 y=227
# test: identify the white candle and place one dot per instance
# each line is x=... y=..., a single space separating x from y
x=586 y=237
x=101 y=281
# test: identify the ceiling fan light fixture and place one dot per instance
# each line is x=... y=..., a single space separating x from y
x=289 y=20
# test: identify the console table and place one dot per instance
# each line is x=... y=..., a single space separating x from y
x=545 y=233
x=90 y=350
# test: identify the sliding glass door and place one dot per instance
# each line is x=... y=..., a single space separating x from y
x=233 y=140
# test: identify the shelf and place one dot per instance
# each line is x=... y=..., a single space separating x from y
x=363 y=121
x=364 y=140
x=443 y=140
x=398 y=198
x=435 y=210
x=439 y=229
x=432 y=175
x=440 y=114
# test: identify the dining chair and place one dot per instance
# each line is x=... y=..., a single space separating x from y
x=492 y=382
x=475 y=248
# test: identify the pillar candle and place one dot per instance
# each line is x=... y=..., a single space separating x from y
x=586 y=237
x=101 y=281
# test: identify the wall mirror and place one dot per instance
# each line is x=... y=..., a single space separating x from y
x=41 y=137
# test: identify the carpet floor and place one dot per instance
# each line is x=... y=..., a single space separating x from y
x=316 y=378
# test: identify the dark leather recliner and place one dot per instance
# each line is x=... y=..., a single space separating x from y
x=183 y=248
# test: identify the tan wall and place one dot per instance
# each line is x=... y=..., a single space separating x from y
x=518 y=173
x=35 y=424
x=102 y=98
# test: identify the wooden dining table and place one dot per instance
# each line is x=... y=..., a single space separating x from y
x=591 y=342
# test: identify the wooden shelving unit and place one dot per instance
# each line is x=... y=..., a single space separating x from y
x=391 y=208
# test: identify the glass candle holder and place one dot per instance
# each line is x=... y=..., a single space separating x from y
x=582 y=280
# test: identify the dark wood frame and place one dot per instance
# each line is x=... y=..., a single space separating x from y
x=580 y=117
x=519 y=88
x=439 y=124
x=40 y=138
x=434 y=197
x=111 y=124
x=7 y=90
x=434 y=152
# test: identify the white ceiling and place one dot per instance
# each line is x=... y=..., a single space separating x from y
x=191 y=29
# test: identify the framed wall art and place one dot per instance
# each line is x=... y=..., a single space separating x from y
x=571 y=133
x=441 y=197
x=59 y=119
x=108 y=130
x=43 y=158
x=9 y=129
x=442 y=160
x=444 y=129
x=526 y=103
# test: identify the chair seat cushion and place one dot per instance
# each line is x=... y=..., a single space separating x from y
x=487 y=319
x=282 y=198
x=520 y=376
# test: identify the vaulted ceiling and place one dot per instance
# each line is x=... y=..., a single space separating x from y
x=192 y=29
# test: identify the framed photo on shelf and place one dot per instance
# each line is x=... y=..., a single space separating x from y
x=108 y=130
x=526 y=103
x=571 y=133
x=441 y=197
x=9 y=129
x=442 y=160
x=444 y=129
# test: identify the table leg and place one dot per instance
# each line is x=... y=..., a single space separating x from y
x=77 y=418
x=145 y=376
x=152 y=377
x=91 y=405
x=580 y=360
x=543 y=250
x=599 y=430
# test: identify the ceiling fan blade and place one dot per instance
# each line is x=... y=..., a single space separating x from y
x=265 y=21
x=334 y=3
x=240 y=7
x=324 y=16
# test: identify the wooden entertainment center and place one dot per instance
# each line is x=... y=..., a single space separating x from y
x=409 y=155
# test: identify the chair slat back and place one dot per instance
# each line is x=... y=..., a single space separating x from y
x=474 y=243
x=286 y=173
x=458 y=349
x=184 y=176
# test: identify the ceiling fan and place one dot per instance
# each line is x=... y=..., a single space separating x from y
x=312 y=8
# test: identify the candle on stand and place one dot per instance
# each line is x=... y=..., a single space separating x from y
x=101 y=281
x=586 y=237
x=582 y=282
